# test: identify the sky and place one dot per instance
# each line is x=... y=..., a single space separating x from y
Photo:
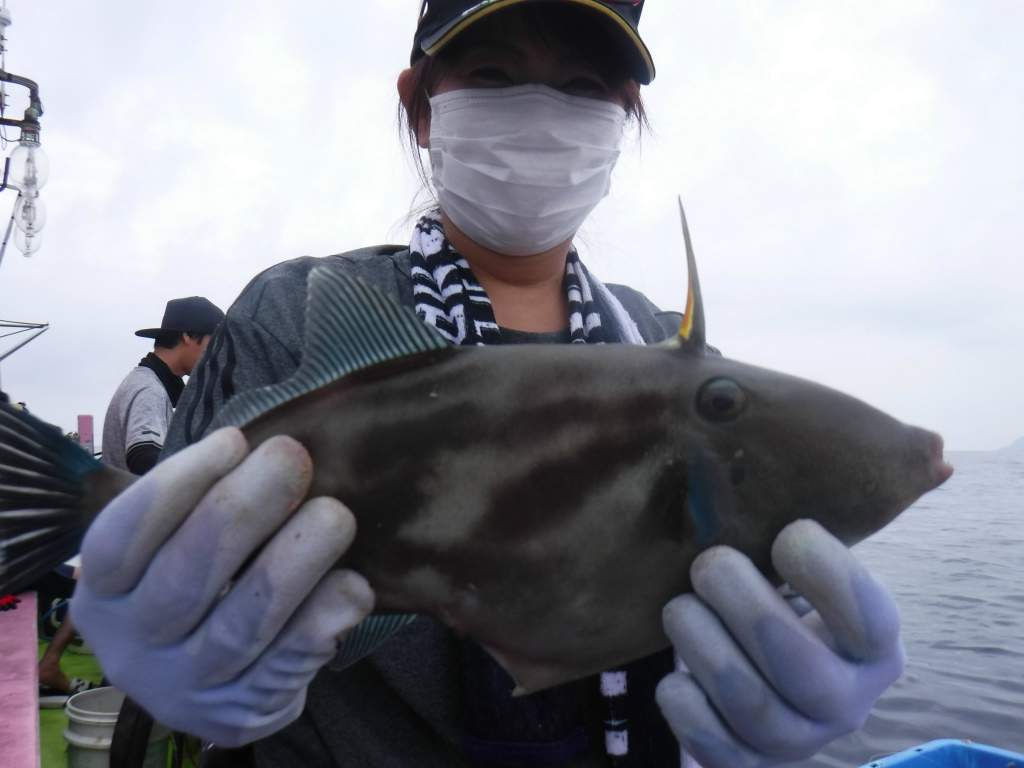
x=853 y=175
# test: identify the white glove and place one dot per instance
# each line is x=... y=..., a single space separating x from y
x=764 y=685
x=226 y=660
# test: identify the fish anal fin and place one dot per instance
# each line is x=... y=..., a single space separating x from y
x=367 y=636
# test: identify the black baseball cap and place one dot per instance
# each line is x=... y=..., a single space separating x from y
x=441 y=20
x=194 y=313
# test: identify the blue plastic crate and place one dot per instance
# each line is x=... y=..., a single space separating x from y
x=951 y=753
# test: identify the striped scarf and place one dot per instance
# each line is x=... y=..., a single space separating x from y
x=448 y=297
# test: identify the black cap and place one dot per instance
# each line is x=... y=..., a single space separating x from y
x=190 y=314
x=442 y=20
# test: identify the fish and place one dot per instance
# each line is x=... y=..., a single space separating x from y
x=545 y=501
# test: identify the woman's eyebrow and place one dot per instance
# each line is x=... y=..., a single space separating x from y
x=490 y=45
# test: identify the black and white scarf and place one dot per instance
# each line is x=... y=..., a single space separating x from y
x=448 y=297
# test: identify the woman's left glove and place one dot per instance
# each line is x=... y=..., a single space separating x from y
x=765 y=685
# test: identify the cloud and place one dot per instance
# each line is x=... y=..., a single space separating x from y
x=853 y=177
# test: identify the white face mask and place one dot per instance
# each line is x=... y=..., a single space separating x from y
x=519 y=169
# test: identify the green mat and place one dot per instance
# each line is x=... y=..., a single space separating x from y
x=52 y=746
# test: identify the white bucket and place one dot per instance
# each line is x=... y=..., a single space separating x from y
x=92 y=716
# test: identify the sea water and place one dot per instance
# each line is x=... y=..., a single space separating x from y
x=955 y=562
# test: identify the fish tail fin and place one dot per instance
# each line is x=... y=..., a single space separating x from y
x=42 y=520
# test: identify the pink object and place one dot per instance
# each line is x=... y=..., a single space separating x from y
x=19 y=685
x=85 y=438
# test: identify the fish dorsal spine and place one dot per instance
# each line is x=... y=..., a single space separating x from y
x=691 y=336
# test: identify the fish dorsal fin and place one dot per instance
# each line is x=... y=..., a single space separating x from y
x=350 y=325
x=691 y=336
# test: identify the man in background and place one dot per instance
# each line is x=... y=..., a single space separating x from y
x=133 y=434
x=141 y=408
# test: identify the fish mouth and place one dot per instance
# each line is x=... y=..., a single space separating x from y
x=925 y=471
x=940 y=469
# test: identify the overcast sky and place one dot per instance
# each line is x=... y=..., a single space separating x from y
x=853 y=175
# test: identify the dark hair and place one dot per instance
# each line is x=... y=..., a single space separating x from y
x=559 y=28
x=171 y=339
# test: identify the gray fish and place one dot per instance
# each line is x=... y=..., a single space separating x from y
x=546 y=501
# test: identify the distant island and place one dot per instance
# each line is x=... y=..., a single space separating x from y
x=1017 y=446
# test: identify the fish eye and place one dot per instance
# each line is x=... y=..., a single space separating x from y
x=721 y=400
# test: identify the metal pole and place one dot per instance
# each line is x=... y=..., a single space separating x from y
x=12 y=350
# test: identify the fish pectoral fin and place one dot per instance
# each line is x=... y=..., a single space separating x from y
x=531 y=676
x=350 y=325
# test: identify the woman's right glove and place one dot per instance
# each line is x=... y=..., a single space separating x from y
x=768 y=681
x=207 y=591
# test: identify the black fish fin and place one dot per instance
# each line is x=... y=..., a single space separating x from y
x=42 y=521
x=691 y=336
x=350 y=325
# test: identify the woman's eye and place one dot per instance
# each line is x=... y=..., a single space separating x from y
x=585 y=87
x=492 y=77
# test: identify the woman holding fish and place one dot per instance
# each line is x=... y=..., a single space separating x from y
x=210 y=589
